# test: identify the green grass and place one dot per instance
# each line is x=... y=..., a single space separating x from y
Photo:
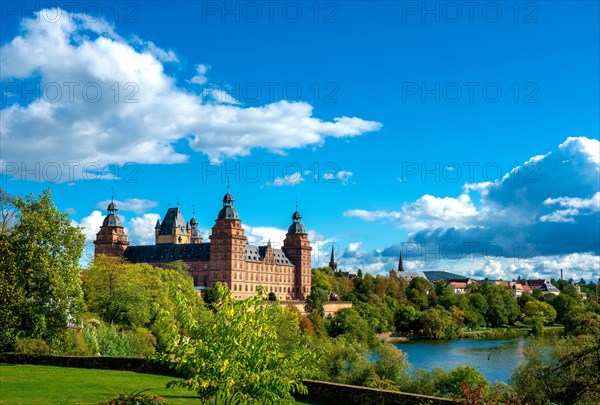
x=26 y=384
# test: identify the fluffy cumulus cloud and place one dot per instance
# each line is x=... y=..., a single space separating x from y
x=140 y=230
x=90 y=225
x=542 y=212
x=287 y=180
x=104 y=99
x=137 y=205
x=342 y=176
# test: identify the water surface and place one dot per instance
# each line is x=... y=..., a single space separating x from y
x=496 y=359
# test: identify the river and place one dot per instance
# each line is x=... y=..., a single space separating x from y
x=496 y=359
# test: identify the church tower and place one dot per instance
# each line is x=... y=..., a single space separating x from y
x=227 y=245
x=400 y=264
x=111 y=240
x=332 y=262
x=297 y=247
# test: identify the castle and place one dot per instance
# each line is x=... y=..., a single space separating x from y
x=227 y=258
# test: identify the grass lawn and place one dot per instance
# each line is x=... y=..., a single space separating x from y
x=25 y=384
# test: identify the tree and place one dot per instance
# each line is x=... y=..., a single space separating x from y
x=116 y=290
x=349 y=323
x=565 y=374
x=315 y=301
x=236 y=356
x=132 y=295
x=537 y=314
x=435 y=323
x=407 y=318
x=41 y=286
x=449 y=384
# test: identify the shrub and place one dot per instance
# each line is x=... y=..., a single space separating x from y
x=134 y=398
x=72 y=343
x=143 y=342
x=112 y=342
x=31 y=346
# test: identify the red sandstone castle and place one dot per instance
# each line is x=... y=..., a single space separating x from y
x=227 y=258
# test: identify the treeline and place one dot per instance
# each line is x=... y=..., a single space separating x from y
x=434 y=311
x=256 y=351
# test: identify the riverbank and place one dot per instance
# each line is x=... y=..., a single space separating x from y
x=479 y=334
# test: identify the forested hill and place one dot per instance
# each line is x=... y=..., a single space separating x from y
x=434 y=276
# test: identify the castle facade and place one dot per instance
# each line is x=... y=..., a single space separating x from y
x=227 y=258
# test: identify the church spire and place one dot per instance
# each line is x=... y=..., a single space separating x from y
x=400 y=265
x=332 y=262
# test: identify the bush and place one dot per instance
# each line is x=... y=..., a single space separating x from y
x=31 y=346
x=143 y=342
x=72 y=343
x=135 y=398
x=112 y=342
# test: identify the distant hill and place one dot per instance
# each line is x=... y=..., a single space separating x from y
x=441 y=275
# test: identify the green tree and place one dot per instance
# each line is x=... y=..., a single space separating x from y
x=436 y=323
x=315 y=301
x=41 y=287
x=567 y=373
x=407 y=318
x=237 y=356
x=347 y=322
x=537 y=314
x=449 y=384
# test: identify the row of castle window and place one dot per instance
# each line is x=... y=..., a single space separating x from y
x=238 y=287
x=254 y=277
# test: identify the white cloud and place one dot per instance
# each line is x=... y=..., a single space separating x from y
x=426 y=212
x=200 y=77
x=218 y=96
x=143 y=116
x=287 y=180
x=141 y=229
x=586 y=146
x=260 y=235
x=90 y=224
x=342 y=176
x=137 y=205
x=372 y=215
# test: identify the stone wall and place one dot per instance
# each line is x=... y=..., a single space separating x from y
x=331 y=393
x=330 y=307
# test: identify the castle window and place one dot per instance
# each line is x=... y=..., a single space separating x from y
x=235 y=276
x=235 y=287
x=205 y=266
x=246 y=287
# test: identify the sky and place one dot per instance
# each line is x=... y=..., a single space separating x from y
x=463 y=135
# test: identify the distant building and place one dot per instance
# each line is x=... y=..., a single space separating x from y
x=348 y=274
x=406 y=275
x=544 y=286
x=519 y=288
x=460 y=287
x=227 y=258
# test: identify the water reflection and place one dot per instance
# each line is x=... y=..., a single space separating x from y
x=496 y=359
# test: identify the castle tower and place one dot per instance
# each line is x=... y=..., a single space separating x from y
x=227 y=244
x=195 y=235
x=332 y=262
x=172 y=229
x=111 y=240
x=297 y=247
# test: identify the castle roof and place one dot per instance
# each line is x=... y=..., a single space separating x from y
x=257 y=254
x=172 y=219
x=112 y=220
x=168 y=252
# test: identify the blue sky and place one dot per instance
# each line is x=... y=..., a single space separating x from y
x=465 y=137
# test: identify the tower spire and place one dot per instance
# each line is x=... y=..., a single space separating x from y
x=400 y=264
x=332 y=262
